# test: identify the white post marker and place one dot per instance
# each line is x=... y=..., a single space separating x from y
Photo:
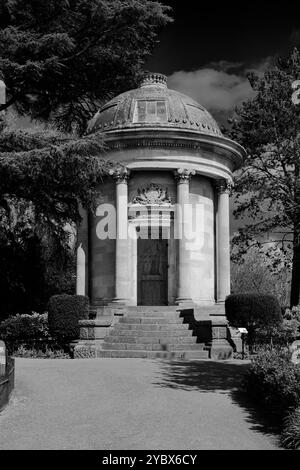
x=243 y=332
x=2 y=358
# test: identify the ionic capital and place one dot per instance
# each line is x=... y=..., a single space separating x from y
x=120 y=175
x=183 y=175
x=223 y=186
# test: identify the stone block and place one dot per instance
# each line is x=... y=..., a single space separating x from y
x=220 y=350
x=84 y=350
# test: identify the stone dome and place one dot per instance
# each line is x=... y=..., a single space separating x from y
x=153 y=105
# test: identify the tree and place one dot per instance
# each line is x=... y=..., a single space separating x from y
x=255 y=273
x=45 y=175
x=60 y=59
x=268 y=186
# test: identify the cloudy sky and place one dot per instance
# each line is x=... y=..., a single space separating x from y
x=211 y=46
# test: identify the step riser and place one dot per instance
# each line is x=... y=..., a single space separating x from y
x=141 y=327
x=152 y=347
x=151 y=340
x=150 y=321
x=154 y=354
x=163 y=315
x=154 y=334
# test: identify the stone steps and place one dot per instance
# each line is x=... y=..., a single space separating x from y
x=155 y=332
x=152 y=332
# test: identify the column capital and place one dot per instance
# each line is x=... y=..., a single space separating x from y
x=120 y=175
x=183 y=175
x=223 y=186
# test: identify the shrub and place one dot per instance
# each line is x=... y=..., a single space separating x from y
x=281 y=335
x=292 y=313
x=290 y=437
x=64 y=313
x=274 y=382
x=25 y=328
x=252 y=311
x=45 y=351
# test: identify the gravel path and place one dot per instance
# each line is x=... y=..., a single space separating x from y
x=130 y=404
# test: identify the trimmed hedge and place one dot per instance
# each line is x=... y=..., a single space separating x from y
x=252 y=311
x=64 y=312
x=27 y=335
x=25 y=328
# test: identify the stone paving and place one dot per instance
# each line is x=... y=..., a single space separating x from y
x=130 y=404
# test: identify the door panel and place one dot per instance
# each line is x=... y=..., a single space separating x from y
x=152 y=272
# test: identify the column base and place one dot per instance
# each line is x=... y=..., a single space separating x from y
x=185 y=302
x=116 y=301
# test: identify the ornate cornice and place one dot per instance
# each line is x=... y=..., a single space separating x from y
x=183 y=175
x=120 y=175
x=223 y=186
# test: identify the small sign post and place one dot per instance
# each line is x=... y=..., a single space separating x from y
x=2 y=358
x=244 y=333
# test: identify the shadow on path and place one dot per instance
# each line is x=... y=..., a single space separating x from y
x=220 y=377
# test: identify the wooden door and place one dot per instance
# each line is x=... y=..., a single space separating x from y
x=152 y=272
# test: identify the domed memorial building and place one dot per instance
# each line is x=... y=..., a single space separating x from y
x=157 y=249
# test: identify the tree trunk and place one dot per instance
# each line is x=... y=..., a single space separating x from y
x=295 y=284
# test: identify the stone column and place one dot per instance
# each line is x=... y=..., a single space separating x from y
x=183 y=177
x=223 y=240
x=82 y=254
x=122 y=243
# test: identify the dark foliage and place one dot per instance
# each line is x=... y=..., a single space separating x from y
x=290 y=437
x=252 y=311
x=274 y=382
x=61 y=58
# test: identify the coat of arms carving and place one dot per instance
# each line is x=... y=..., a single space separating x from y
x=152 y=195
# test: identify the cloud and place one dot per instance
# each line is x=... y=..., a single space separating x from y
x=220 y=86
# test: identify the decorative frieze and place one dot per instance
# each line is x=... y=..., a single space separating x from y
x=183 y=175
x=152 y=195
